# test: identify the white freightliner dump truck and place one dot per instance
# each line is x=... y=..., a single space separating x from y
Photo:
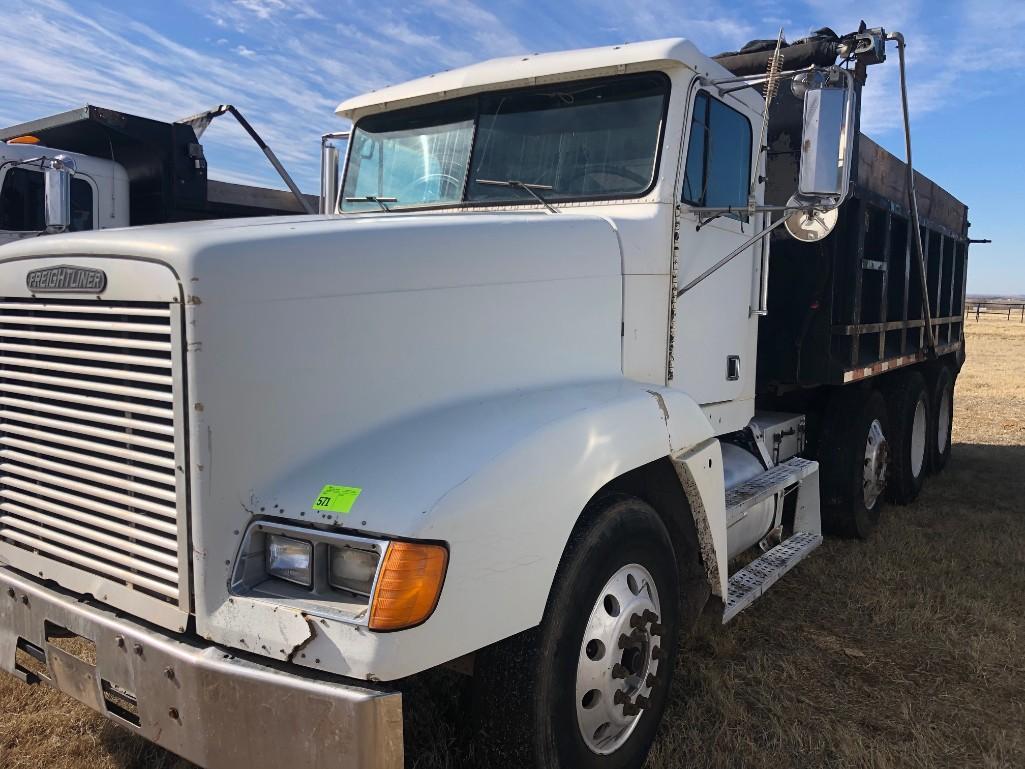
x=512 y=404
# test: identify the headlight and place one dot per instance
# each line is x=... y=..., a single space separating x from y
x=353 y=569
x=290 y=559
x=378 y=583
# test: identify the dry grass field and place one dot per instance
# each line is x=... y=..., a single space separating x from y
x=905 y=651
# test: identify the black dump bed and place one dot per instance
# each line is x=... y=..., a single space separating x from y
x=165 y=163
x=851 y=305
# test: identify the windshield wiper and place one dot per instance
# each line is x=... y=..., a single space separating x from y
x=528 y=188
x=373 y=199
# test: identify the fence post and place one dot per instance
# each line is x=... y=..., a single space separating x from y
x=977 y=312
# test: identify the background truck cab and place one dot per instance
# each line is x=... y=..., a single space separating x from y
x=99 y=192
x=123 y=170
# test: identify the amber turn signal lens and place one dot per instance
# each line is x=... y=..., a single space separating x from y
x=408 y=586
x=24 y=140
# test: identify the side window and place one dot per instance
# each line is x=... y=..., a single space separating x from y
x=718 y=170
x=81 y=205
x=22 y=202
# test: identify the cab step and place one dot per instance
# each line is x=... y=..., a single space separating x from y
x=772 y=481
x=753 y=580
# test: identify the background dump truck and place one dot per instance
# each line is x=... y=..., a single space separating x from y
x=583 y=344
x=122 y=170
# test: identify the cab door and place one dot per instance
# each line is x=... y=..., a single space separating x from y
x=714 y=325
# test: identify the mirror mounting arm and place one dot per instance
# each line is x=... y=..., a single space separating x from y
x=731 y=256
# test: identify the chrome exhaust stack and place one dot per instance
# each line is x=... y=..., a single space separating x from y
x=331 y=168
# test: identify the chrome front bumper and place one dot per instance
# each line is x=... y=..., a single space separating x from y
x=195 y=699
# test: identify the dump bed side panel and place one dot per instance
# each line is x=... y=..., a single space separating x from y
x=850 y=306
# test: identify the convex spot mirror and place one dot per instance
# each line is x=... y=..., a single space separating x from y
x=57 y=193
x=827 y=142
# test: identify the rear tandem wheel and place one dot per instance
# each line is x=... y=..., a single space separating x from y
x=911 y=418
x=854 y=456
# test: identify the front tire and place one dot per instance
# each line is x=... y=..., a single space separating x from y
x=587 y=688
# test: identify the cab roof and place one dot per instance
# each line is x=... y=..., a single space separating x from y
x=534 y=69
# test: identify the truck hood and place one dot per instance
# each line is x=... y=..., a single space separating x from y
x=321 y=248
x=402 y=355
x=310 y=338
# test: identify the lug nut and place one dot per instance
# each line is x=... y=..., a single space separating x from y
x=120 y=641
x=625 y=641
x=24 y=600
x=642 y=702
x=620 y=698
x=655 y=629
x=138 y=649
x=650 y=681
x=637 y=621
x=173 y=713
x=656 y=653
x=650 y=616
x=629 y=709
x=619 y=671
x=169 y=673
x=10 y=592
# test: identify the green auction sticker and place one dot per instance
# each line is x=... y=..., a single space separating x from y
x=336 y=499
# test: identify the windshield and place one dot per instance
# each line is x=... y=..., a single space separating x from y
x=575 y=141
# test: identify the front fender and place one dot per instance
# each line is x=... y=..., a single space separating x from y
x=502 y=481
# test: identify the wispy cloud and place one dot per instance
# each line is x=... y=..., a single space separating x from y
x=955 y=52
x=287 y=63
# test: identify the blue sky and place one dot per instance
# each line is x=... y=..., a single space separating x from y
x=287 y=63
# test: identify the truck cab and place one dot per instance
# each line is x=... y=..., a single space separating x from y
x=636 y=143
x=99 y=192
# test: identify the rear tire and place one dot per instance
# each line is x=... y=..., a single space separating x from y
x=853 y=453
x=547 y=698
x=911 y=418
x=943 y=421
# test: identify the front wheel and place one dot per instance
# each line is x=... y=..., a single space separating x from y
x=587 y=688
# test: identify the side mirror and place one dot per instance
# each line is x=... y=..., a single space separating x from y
x=331 y=169
x=57 y=193
x=827 y=144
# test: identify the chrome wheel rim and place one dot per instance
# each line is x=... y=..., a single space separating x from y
x=619 y=659
x=875 y=464
x=918 y=431
x=943 y=420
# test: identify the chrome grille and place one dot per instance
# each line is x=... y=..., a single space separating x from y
x=89 y=460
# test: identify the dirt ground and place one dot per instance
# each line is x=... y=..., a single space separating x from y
x=902 y=652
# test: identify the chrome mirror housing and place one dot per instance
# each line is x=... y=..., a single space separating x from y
x=827 y=142
x=57 y=192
